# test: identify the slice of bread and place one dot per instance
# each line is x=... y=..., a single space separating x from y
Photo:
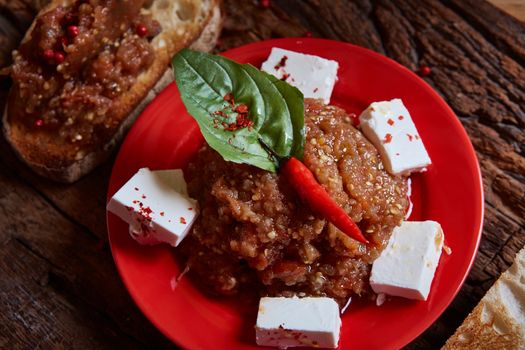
x=498 y=321
x=195 y=23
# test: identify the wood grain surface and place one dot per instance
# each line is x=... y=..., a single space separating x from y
x=58 y=285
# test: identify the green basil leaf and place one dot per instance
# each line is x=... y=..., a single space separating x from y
x=276 y=109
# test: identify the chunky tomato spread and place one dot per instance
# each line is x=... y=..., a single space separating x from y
x=255 y=231
x=75 y=62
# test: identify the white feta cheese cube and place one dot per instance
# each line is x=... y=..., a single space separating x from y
x=292 y=322
x=390 y=128
x=314 y=76
x=407 y=265
x=156 y=206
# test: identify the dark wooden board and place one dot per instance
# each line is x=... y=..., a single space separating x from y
x=59 y=287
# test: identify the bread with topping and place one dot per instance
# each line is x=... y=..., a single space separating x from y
x=498 y=321
x=87 y=68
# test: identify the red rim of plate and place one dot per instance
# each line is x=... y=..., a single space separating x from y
x=297 y=43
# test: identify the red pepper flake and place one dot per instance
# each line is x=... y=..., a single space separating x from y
x=410 y=137
x=220 y=114
x=145 y=218
x=39 y=123
x=388 y=138
x=424 y=70
x=400 y=117
x=59 y=57
x=417 y=137
x=48 y=54
x=242 y=108
x=285 y=76
x=241 y=120
x=390 y=122
x=307 y=34
x=190 y=208
x=281 y=63
x=136 y=188
x=161 y=213
x=315 y=90
x=265 y=3
x=141 y=30
x=182 y=220
x=72 y=31
x=143 y=196
x=129 y=208
x=397 y=154
x=229 y=98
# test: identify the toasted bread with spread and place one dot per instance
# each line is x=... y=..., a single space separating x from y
x=86 y=69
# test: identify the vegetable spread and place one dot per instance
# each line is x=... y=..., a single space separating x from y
x=255 y=230
x=75 y=62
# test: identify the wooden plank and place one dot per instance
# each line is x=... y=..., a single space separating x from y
x=80 y=269
x=477 y=56
x=83 y=202
x=35 y=313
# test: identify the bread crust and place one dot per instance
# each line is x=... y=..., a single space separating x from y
x=498 y=321
x=54 y=159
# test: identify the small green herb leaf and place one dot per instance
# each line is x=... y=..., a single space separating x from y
x=215 y=90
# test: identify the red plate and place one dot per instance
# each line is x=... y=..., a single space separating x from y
x=450 y=192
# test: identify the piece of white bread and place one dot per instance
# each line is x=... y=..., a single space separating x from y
x=498 y=321
x=195 y=23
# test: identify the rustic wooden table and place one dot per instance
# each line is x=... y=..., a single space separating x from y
x=58 y=285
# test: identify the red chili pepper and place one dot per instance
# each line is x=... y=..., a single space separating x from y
x=304 y=182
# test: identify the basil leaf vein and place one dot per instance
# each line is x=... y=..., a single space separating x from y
x=275 y=108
